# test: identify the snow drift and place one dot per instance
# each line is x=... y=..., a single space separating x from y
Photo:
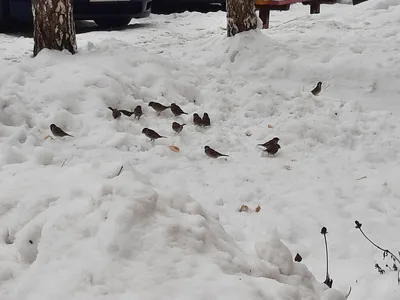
x=74 y=229
x=168 y=226
x=118 y=238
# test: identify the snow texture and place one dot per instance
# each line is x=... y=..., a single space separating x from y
x=168 y=226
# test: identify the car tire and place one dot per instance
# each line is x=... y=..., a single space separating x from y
x=107 y=23
x=223 y=4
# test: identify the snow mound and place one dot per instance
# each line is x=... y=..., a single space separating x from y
x=70 y=228
x=85 y=232
x=122 y=239
x=74 y=93
x=367 y=69
x=383 y=4
x=275 y=252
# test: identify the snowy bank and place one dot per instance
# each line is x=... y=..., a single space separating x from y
x=83 y=232
x=168 y=225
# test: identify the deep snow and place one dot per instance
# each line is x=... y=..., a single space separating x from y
x=168 y=226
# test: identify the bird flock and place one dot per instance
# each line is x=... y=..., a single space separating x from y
x=271 y=146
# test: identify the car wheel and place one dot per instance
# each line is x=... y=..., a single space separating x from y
x=106 y=23
x=223 y=4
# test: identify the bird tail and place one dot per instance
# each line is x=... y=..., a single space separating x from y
x=162 y=137
x=260 y=145
x=224 y=155
x=126 y=112
x=183 y=124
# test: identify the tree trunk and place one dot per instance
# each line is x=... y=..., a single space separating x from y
x=241 y=16
x=54 y=26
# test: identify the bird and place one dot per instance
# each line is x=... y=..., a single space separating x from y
x=115 y=112
x=272 y=149
x=197 y=120
x=176 y=110
x=158 y=107
x=210 y=152
x=138 y=112
x=275 y=140
x=57 y=131
x=317 y=89
x=206 y=119
x=177 y=127
x=126 y=112
x=151 y=134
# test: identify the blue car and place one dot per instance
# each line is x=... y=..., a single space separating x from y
x=106 y=13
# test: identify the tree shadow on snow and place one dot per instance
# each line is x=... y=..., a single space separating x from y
x=19 y=29
x=88 y=26
x=169 y=8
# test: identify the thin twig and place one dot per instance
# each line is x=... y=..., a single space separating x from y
x=348 y=294
x=63 y=163
x=358 y=226
x=120 y=170
x=327 y=86
x=361 y=178
x=287 y=22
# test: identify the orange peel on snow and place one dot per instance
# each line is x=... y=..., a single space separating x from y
x=245 y=208
x=48 y=137
x=174 y=148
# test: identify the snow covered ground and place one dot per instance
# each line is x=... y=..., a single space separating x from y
x=168 y=226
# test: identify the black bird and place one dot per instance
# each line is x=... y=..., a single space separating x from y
x=138 y=112
x=57 y=131
x=206 y=119
x=115 y=112
x=197 y=120
x=317 y=89
x=177 y=127
x=275 y=140
x=176 y=110
x=210 y=152
x=126 y=112
x=158 y=107
x=151 y=134
x=272 y=149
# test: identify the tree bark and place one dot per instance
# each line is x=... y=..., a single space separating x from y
x=241 y=16
x=54 y=26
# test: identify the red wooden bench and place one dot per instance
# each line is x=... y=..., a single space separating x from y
x=265 y=6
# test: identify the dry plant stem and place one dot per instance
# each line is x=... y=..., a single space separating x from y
x=380 y=248
x=327 y=260
x=348 y=294
x=328 y=281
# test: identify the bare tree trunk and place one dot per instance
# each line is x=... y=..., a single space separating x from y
x=54 y=26
x=241 y=16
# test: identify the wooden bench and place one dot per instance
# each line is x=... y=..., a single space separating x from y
x=265 y=6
